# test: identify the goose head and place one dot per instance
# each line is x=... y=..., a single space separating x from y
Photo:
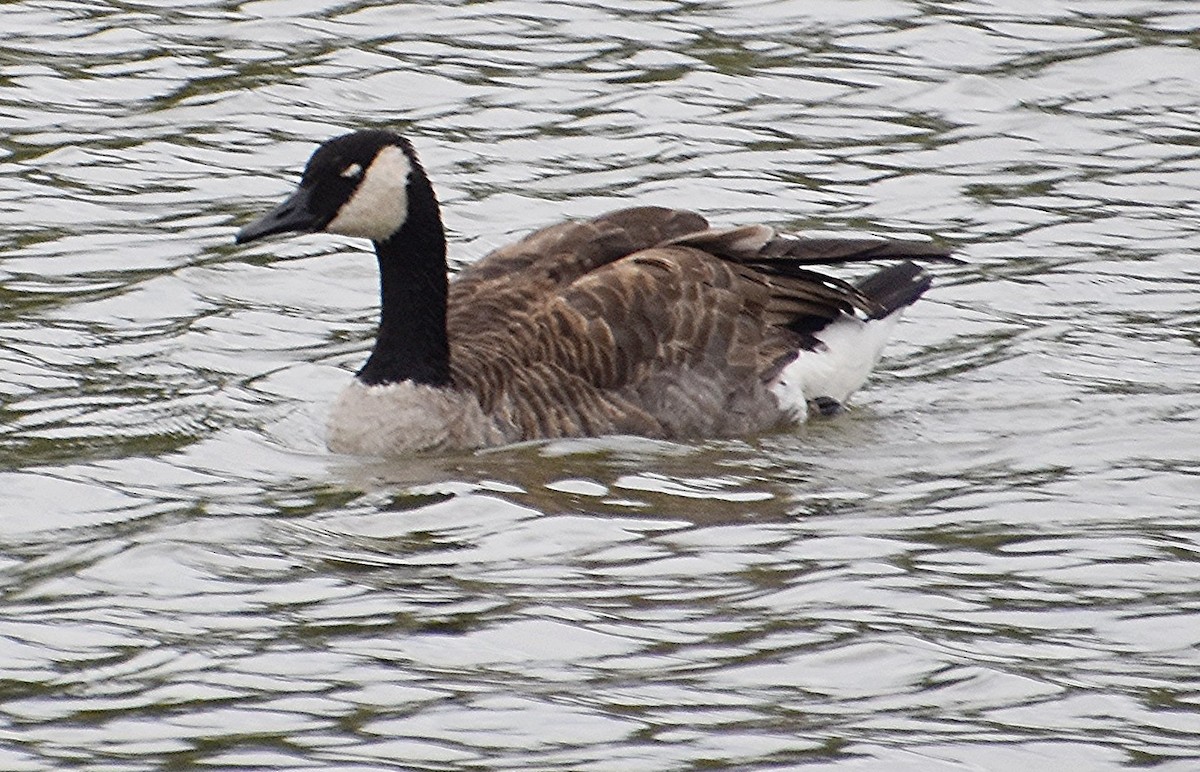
x=358 y=184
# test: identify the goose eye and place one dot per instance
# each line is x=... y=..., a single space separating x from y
x=352 y=171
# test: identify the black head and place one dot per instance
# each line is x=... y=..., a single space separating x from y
x=355 y=185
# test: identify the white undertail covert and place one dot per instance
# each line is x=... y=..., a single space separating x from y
x=850 y=348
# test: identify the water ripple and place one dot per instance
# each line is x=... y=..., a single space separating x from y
x=988 y=563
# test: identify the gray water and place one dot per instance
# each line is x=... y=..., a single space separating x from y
x=991 y=563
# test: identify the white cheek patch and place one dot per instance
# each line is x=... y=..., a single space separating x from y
x=351 y=171
x=379 y=205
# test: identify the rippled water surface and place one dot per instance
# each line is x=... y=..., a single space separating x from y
x=991 y=563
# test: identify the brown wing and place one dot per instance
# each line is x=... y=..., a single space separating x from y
x=665 y=342
x=590 y=328
x=508 y=280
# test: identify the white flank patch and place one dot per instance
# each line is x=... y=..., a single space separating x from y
x=379 y=204
x=851 y=349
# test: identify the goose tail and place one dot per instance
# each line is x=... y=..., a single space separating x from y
x=895 y=288
x=821 y=379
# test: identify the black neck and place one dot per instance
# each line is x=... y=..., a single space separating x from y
x=412 y=344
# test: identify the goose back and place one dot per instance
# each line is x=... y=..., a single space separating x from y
x=645 y=321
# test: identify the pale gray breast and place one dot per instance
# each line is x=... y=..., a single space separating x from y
x=400 y=418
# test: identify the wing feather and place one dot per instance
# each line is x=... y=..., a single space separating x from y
x=644 y=321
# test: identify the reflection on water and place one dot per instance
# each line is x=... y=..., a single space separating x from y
x=989 y=563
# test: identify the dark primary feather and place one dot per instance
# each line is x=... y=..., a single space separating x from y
x=627 y=324
x=894 y=288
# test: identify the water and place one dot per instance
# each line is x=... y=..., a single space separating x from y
x=990 y=563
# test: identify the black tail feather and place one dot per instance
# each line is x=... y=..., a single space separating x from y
x=895 y=287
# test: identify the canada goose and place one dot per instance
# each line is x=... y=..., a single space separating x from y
x=642 y=321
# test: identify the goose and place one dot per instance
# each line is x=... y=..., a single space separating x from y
x=643 y=321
